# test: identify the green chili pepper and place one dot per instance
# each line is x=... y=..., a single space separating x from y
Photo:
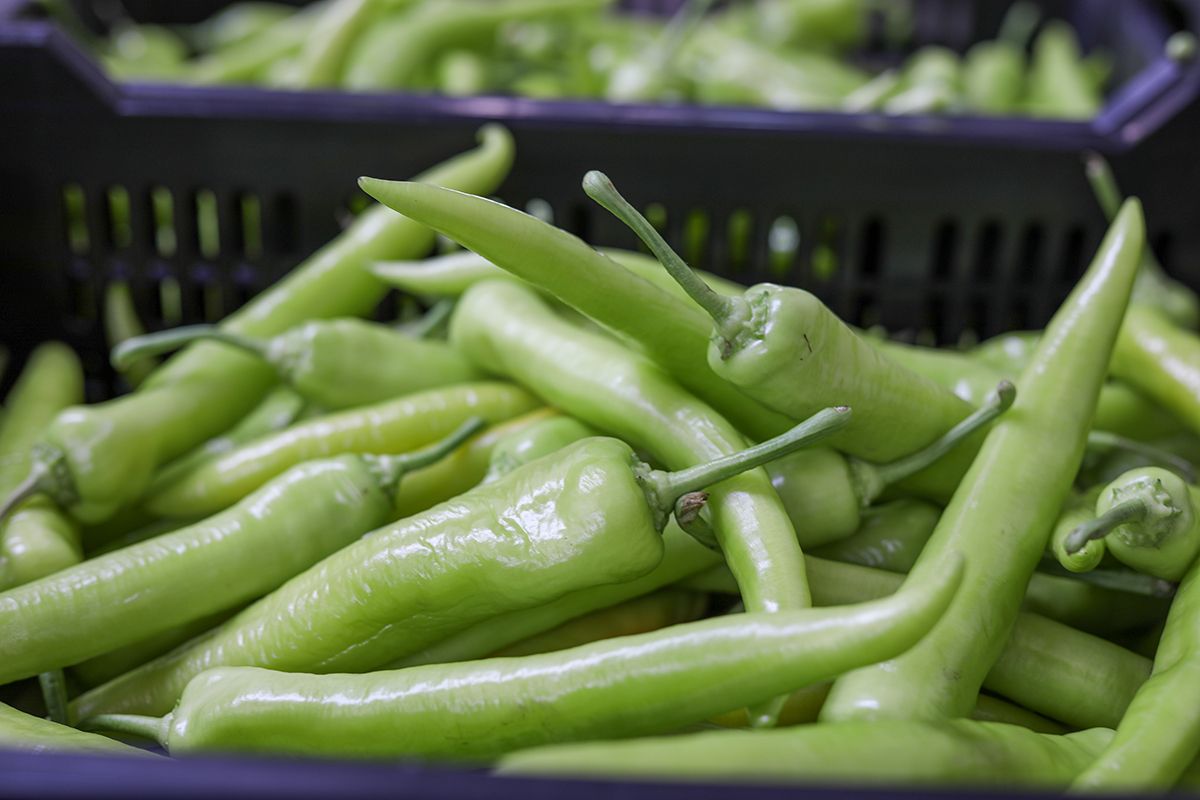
x=144 y=52
x=785 y=348
x=1154 y=286
x=1123 y=409
x=539 y=439
x=452 y=274
x=463 y=73
x=993 y=709
x=1000 y=518
x=506 y=327
x=632 y=685
x=235 y=23
x=395 y=426
x=682 y=556
x=588 y=515
x=1161 y=360
x=122 y=597
x=279 y=409
x=1080 y=508
x=890 y=536
x=36 y=540
x=994 y=72
x=1159 y=736
x=461 y=470
x=647 y=74
x=95 y=459
x=932 y=83
x=644 y=614
x=121 y=323
x=825 y=492
x=107 y=666
x=24 y=733
x=834 y=24
x=395 y=55
x=1146 y=519
x=249 y=59
x=1059 y=84
x=339 y=363
x=334 y=34
x=671 y=331
x=962 y=752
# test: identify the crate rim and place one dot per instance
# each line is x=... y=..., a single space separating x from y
x=1138 y=108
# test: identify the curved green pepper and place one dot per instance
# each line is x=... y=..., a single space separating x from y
x=120 y=598
x=646 y=683
x=338 y=363
x=24 y=733
x=962 y=752
x=1147 y=519
x=1000 y=517
x=394 y=426
x=37 y=539
x=589 y=515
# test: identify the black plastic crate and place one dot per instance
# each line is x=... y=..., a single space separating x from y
x=938 y=224
x=944 y=226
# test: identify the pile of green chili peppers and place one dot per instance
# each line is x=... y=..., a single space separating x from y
x=599 y=514
x=780 y=54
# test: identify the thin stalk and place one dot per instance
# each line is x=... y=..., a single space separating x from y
x=430 y=322
x=1132 y=510
x=667 y=487
x=153 y=344
x=1103 y=440
x=874 y=477
x=33 y=484
x=1103 y=183
x=54 y=692
x=390 y=469
x=725 y=311
x=152 y=728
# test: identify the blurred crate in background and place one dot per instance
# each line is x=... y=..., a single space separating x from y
x=946 y=226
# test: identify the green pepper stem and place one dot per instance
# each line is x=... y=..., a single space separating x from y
x=663 y=489
x=153 y=344
x=1103 y=183
x=873 y=478
x=33 y=484
x=726 y=312
x=429 y=322
x=54 y=692
x=390 y=469
x=153 y=728
x=1103 y=440
x=687 y=517
x=1134 y=509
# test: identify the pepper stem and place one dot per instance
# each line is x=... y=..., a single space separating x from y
x=33 y=484
x=727 y=312
x=153 y=344
x=873 y=478
x=54 y=692
x=431 y=321
x=1134 y=509
x=1104 y=184
x=390 y=469
x=664 y=488
x=1105 y=441
x=153 y=728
